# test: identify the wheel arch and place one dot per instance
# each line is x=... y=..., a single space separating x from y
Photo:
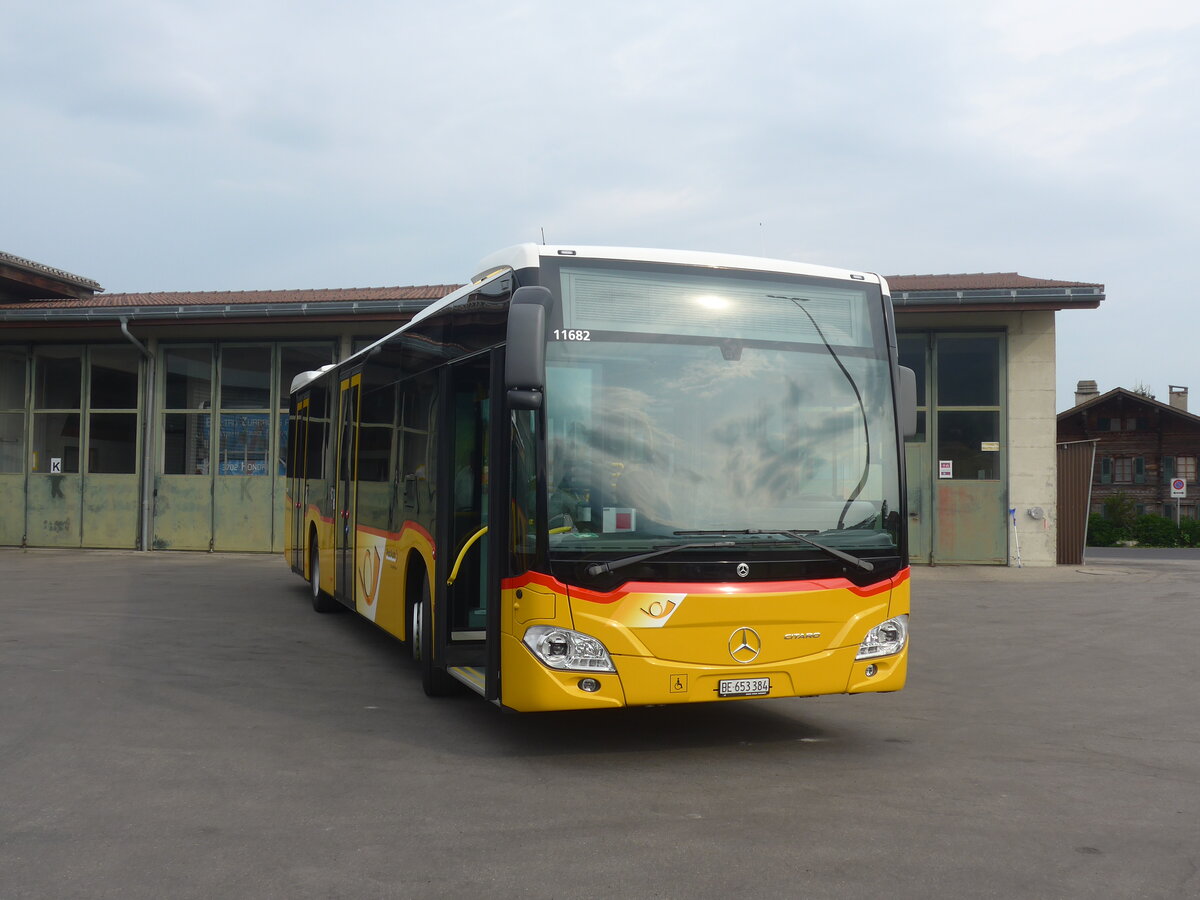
x=416 y=569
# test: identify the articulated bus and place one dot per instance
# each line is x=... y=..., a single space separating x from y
x=602 y=477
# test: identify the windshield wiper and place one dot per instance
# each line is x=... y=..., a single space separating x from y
x=862 y=407
x=796 y=536
x=613 y=564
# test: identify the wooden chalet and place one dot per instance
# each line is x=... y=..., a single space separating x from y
x=1142 y=445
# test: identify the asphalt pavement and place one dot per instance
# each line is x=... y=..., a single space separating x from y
x=183 y=725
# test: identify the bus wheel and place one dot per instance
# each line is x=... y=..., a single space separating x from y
x=435 y=681
x=416 y=616
x=321 y=601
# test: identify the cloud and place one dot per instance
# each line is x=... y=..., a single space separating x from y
x=264 y=143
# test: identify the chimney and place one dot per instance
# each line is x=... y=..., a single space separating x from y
x=1086 y=390
x=1178 y=398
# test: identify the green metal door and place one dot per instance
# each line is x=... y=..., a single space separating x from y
x=54 y=510
x=222 y=484
x=83 y=488
x=243 y=495
x=54 y=496
x=12 y=499
x=969 y=445
x=13 y=452
x=183 y=485
x=920 y=512
x=182 y=511
x=111 y=490
x=110 y=515
x=914 y=353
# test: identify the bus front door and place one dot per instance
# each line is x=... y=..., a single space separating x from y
x=297 y=484
x=463 y=628
x=344 y=513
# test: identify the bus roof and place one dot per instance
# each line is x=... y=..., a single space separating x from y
x=523 y=256
x=304 y=378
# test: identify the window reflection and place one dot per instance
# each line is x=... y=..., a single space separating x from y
x=244 y=443
x=114 y=378
x=186 y=443
x=55 y=443
x=651 y=439
x=57 y=378
x=188 y=378
x=968 y=371
x=12 y=378
x=961 y=436
x=245 y=378
x=112 y=443
x=12 y=438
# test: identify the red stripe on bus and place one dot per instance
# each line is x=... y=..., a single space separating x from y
x=396 y=535
x=654 y=587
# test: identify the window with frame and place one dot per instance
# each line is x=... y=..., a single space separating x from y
x=57 y=408
x=1185 y=468
x=12 y=409
x=968 y=409
x=187 y=415
x=1123 y=469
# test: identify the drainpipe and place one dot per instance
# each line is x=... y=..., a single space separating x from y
x=147 y=489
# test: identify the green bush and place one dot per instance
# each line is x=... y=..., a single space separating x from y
x=1120 y=510
x=1102 y=532
x=1189 y=533
x=1155 y=531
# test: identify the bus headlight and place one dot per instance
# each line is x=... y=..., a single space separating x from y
x=885 y=639
x=561 y=648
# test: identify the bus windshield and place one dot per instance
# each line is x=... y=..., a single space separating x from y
x=685 y=402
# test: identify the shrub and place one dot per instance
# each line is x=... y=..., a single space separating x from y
x=1102 y=532
x=1189 y=532
x=1120 y=510
x=1155 y=531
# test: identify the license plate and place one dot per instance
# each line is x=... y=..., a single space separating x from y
x=743 y=687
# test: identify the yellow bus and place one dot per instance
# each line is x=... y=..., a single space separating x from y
x=601 y=477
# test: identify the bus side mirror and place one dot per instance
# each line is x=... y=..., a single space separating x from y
x=908 y=402
x=525 y=358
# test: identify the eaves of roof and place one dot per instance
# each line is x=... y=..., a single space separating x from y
x=38 y=268
x=25 y=279
x=990 y=291
x=195 y=305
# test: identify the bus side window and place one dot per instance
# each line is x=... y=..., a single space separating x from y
x=417 y=409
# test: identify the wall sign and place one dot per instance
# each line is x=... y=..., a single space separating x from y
x=945 y=468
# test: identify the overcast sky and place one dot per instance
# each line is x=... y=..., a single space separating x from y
x=214 y=145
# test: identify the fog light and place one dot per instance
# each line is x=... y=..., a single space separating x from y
x=871 y=670
x=591 y=685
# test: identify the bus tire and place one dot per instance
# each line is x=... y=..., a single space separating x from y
x=435 y=682
x=321 y=601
